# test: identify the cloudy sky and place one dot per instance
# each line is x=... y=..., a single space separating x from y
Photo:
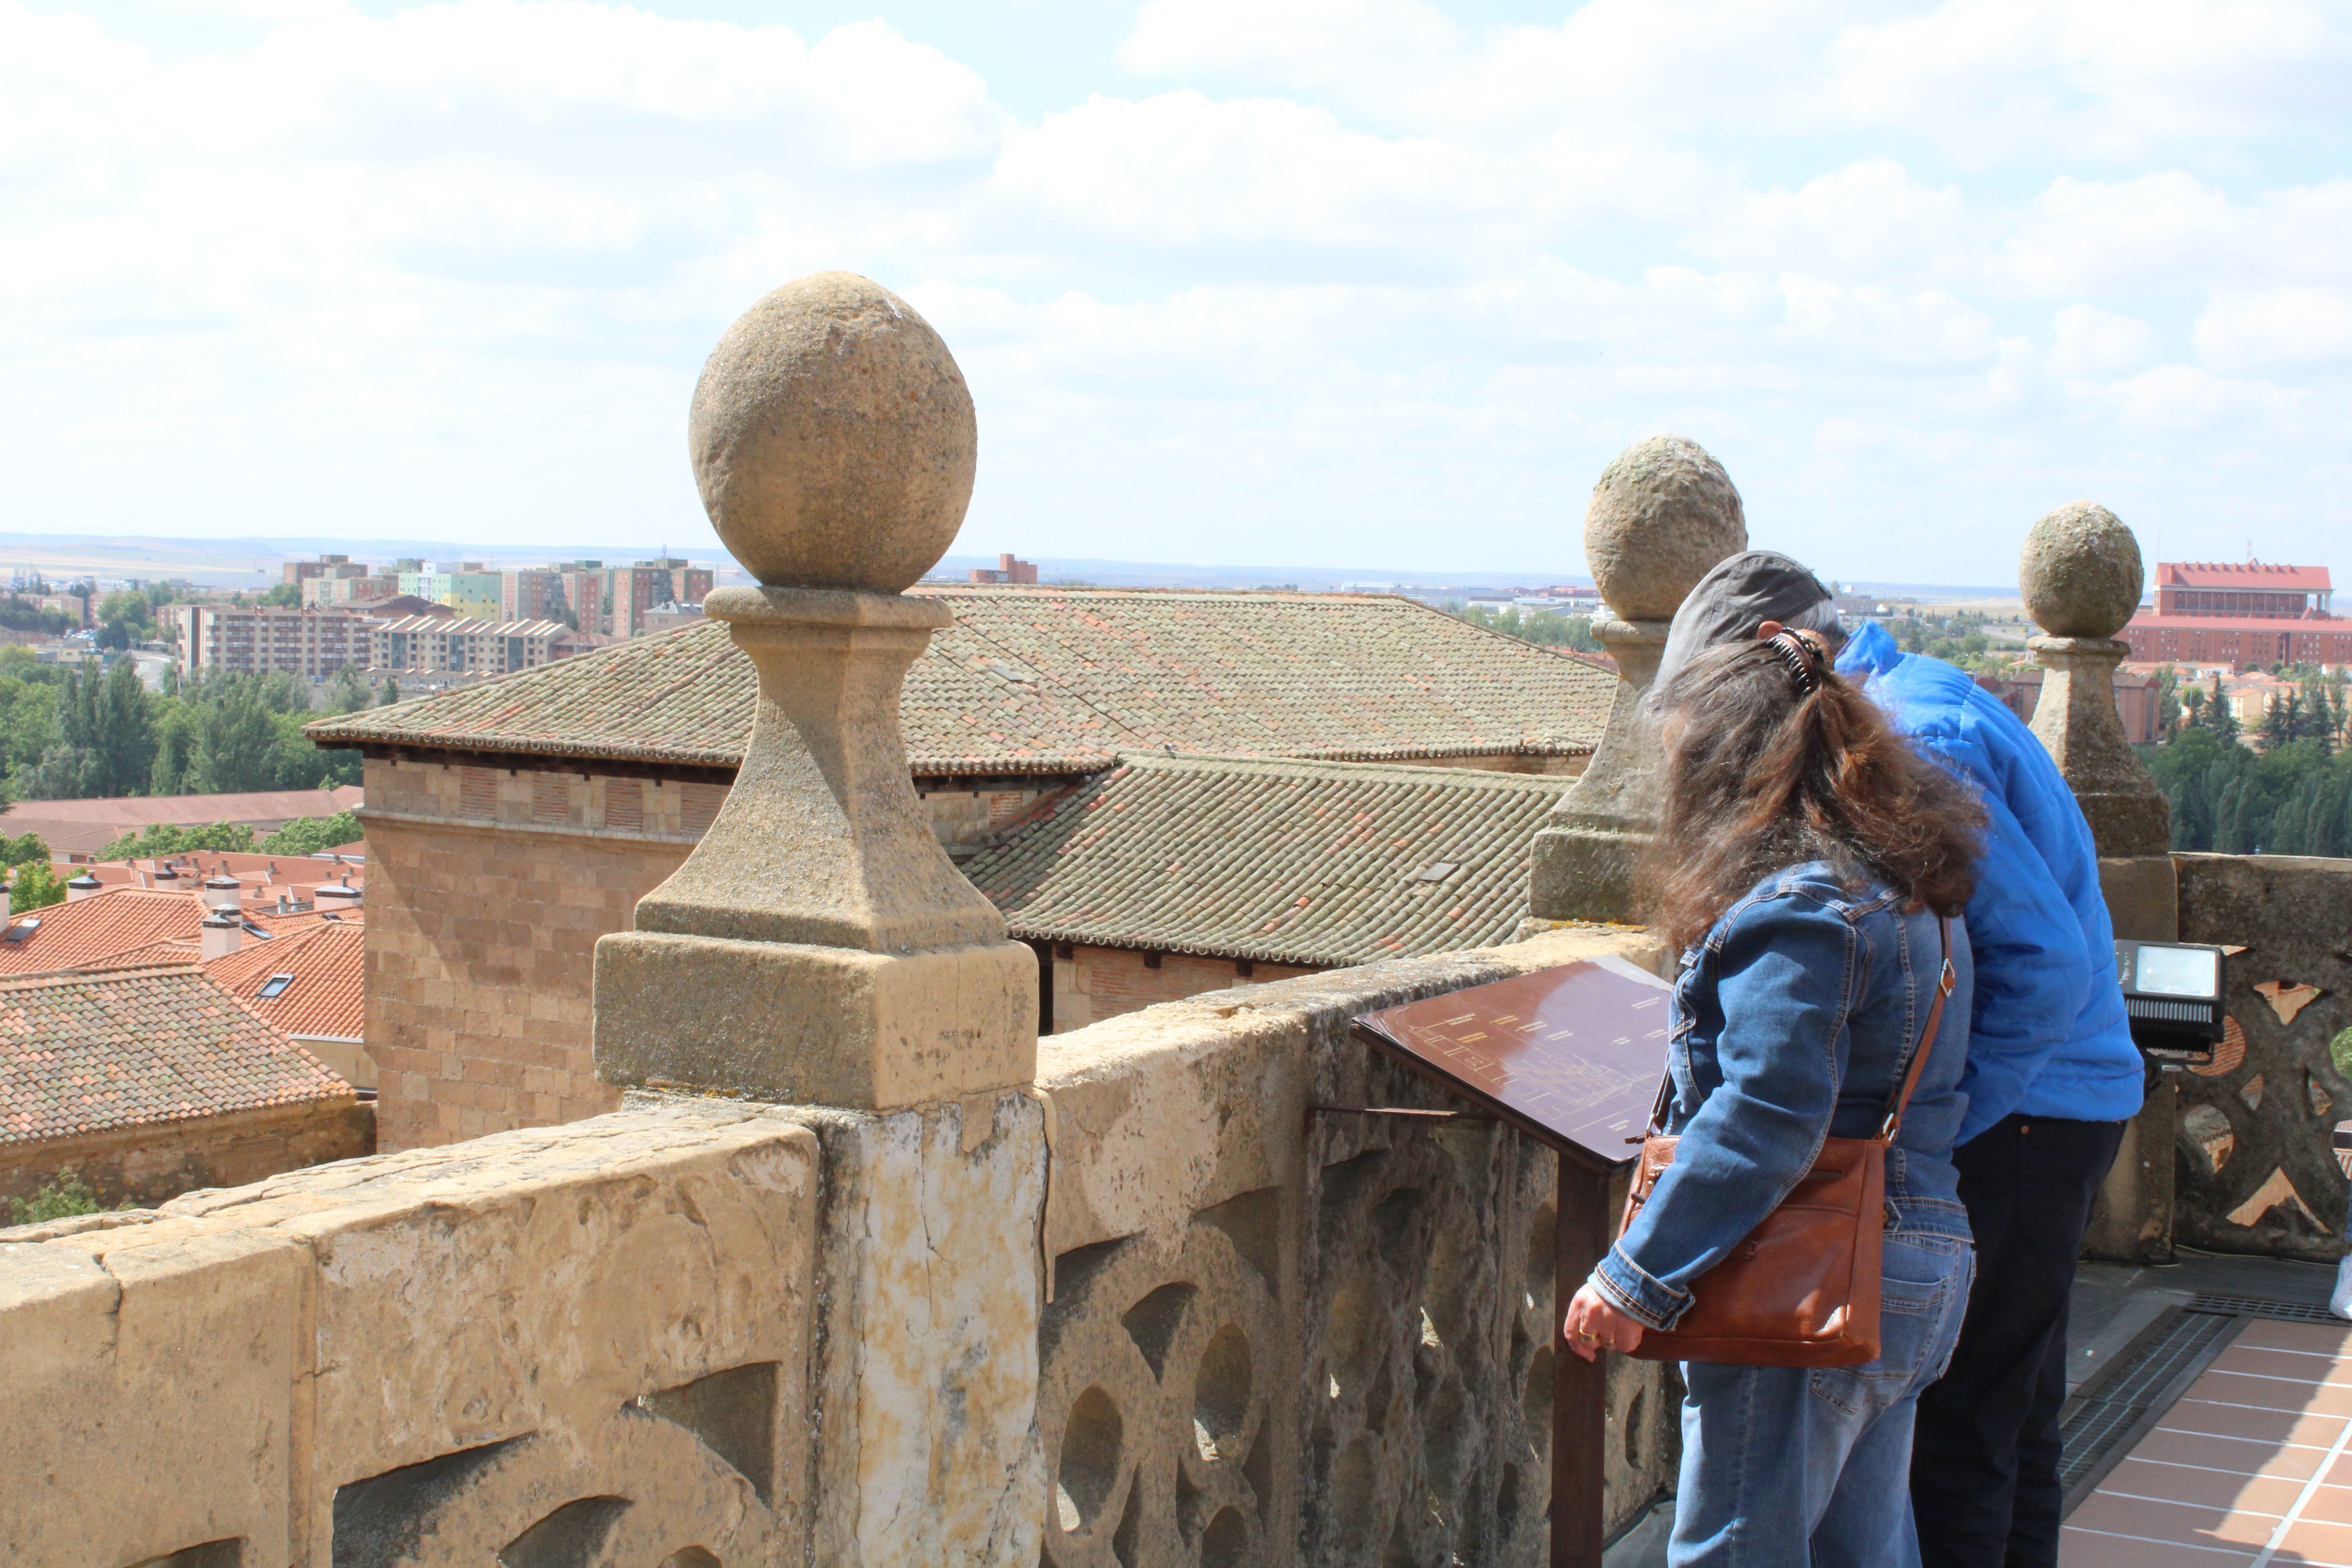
x=1348 y=282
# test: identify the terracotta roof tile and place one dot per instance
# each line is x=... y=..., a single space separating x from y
x=324 y=999
x=1283 y=862
x=116 y=926
x=1059 y=680
x=83 y=1053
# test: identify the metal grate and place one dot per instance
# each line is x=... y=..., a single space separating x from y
x=2101 y=1423
x=2253 y=1307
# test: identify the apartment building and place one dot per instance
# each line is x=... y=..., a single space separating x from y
x=533 y=593
x=450 y=643
x=618 y=599
x=467 y=588
x=261 y=639
x=330 y=592
x=326 y=568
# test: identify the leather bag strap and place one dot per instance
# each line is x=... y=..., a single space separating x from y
x=1945 y=983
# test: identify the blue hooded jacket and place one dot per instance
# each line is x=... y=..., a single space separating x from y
x=2048 y=1033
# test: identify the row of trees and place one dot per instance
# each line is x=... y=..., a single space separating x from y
x=65 y=734
x=1551 y=629
x=2293 y=797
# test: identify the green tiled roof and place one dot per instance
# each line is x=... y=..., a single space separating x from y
x=1283 y=862
x=1059 y=680
x=86 y=1052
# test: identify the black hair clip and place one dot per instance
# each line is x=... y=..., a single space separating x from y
x=1801 y=656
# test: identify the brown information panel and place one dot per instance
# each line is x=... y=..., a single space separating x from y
x=1572 y=1055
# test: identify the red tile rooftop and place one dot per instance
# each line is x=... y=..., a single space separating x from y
x=307 y=982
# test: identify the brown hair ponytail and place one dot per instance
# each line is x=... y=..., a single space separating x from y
x=1772 y=760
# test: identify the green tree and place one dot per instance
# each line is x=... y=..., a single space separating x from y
x=63 y=1197
x=122 y=731
x=2222 y=714
x=34 y=886
x=347 y=693
x=389 y=694
x=24 y=849
x=286 y=595
x=236 y=743
x=313 y=835
x=223 y=837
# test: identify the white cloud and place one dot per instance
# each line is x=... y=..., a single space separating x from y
x=2275 y=328
x=2091 y=344
x=1338 y=281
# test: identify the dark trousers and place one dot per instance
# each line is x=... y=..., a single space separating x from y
x=1984 y=1464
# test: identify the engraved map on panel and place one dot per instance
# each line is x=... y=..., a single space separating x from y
x=1576 y=1051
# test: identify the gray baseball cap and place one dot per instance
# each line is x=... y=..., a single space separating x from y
x=1738 y=596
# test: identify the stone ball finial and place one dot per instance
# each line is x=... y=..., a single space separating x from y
x=833 y=438
x=2080 y=572
x=1661 y=515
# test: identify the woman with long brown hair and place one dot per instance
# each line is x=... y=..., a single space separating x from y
x=1809 y=869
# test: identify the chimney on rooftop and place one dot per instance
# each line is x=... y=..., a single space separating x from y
x=220 y=893
x=82 y=887
x=222 y=933
x=164 y=875
x=337 y=894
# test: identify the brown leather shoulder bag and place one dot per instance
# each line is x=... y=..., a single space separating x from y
x=1802 y=1290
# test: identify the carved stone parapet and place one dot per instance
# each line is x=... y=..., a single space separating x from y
x=2081 y=575
x=823 y=839
x=2076 y=721
x=1583 y=864
x=1661 y=515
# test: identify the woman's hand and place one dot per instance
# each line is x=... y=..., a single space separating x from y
x=1594 y=1325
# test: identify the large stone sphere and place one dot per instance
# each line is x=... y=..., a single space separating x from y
x=2080 y=572
x=833 y=438
x=1664 y=513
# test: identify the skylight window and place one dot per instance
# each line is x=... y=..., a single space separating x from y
x=275 y=986
x=1436 y=873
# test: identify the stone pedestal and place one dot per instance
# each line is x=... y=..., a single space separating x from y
x=818 y=947
x=2076 y=721
x=2081 y=575
x=1583 y=864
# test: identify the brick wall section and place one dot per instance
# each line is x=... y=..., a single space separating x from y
x=1097 y=983
x=486 y=891
x=143 y=1166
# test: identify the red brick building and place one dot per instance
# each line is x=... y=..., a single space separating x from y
x=2239 y=643
x=2256 y=590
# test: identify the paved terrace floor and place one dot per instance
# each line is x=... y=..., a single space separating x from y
x=2209 y=1426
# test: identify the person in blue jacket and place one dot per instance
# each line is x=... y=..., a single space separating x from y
x=2051 y=1075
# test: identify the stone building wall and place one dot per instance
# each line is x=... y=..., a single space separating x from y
x=149 y=1164
x=2255 y=1172
x=1091 y=983
x=486 y=890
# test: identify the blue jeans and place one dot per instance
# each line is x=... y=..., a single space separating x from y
x=1785 y=1466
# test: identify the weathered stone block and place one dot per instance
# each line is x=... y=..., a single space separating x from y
x=833 y=1026
x=152 y=1375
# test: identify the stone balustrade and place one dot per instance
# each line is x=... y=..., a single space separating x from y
x=658 y=1336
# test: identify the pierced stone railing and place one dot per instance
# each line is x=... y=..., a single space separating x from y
x=1276 y=1338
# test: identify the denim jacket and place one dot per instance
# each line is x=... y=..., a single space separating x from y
x=1795 y=1021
